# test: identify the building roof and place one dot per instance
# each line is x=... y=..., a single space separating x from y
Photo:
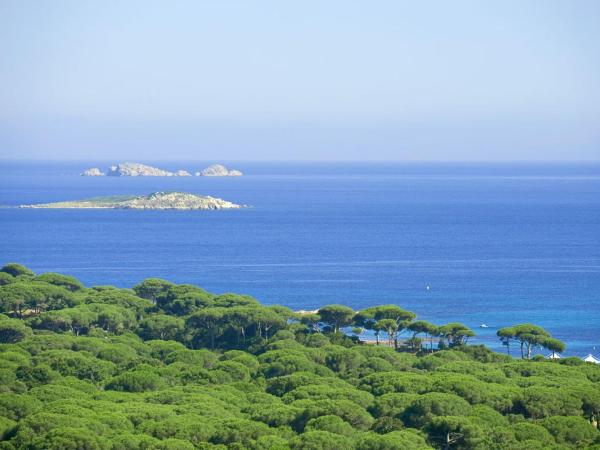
x=591 y=358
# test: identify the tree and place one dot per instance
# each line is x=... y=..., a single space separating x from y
x=456 y=334
x=422 y=410
x=152 y=288
x=311 y=321
x=17 y=270
x=230 y=300
x=590 y=400
x=377 y=329
x=240 y=431
x=36 y=375
x=69 y=438
x=138 y=380
x=389 y=312
x=207 y=320
x=532 y=431
x=450 y=431
x=474 y=391
x=366 y=319
x=78 y=320
x=15 y=298
x=183 y=299
x=554 y=345
x=526 y=334
x=392 y=404
x=50 y=297
x=331 y=424
x=112 y=318
x=6 y=278
x=13 y=330
x=337 y=316
x=349 y=411
x=395 y=440
x=573 y=431
x=391 y=328
x=161 y=326
x=119 y=297
x=394 y=381
x=78 y=364
x=401 y=317
x=321 y=440
x=421 y=326
x=538 y=402
x=81 y=319
x=70 y=283
x=506 y=335
x=328 y=392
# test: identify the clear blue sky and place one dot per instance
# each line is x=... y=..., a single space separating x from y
x=306 y=80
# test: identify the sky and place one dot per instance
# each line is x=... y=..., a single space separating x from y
x=338 y=80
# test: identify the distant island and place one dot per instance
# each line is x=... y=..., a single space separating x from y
x=218 y=170
x=93 y=172
x=130 y=169
x=156 y=200
x=133 y=170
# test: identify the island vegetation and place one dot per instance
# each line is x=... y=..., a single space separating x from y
x=167 y=366
x=156 y=200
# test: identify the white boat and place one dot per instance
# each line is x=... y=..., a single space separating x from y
x=483 y=325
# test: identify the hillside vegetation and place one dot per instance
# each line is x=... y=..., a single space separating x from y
x=166 y=366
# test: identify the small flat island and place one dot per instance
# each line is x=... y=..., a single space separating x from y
x=156 y=200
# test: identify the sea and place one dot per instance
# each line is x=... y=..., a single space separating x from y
x=482 y=244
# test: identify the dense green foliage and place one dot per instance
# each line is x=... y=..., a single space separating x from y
x=167 y=366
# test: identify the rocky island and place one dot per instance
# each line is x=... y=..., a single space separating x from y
x=218 y=170
x=134 y=170
x=142 y=170
x=93 y=172
x=130 y=169
x=157 y=200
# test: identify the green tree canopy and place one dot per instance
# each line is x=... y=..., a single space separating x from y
x=336 y=316
x=13 y=330
x=17 y=270
x=527 y=335
x=70 y=283
x=152 y=288
x=105 y=368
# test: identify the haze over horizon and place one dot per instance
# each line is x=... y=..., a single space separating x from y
x=341 y=81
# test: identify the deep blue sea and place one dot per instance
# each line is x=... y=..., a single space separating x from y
x=497 y=244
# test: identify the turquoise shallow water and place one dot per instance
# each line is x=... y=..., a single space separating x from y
x=497 y=244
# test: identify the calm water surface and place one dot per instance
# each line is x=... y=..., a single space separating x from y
x=496 y=244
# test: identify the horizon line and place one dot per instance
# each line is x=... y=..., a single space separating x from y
x=305 y=161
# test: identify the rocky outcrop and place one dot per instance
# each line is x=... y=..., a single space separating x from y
x=142 y=170
x=93 y=172
x=218 y=170
x=157 y=200
x=130 y=169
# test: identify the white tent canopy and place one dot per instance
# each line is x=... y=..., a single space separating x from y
x=553 y=356
x=591 y=358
